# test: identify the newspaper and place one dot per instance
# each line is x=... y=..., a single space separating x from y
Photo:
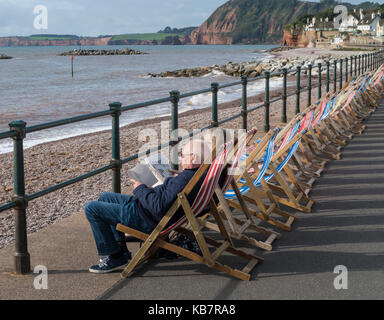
x=152 y=171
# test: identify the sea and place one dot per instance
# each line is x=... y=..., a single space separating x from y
x=37 y=85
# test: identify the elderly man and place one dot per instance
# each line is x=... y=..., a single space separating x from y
x=142 y=211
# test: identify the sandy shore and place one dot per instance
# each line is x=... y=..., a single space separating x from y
x=314 y=53
x=54 y=162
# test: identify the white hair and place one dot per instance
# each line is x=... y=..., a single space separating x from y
x=199 y=148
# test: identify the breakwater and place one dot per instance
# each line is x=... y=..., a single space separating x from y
x=94 y=52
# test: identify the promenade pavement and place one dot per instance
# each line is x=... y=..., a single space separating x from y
x=345 y=228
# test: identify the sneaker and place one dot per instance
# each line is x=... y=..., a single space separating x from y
x=109 y=264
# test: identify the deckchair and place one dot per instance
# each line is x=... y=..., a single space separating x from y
x=237 y=224
x=274 y=184
x=204 y=198
x=346 y=116
x=249 y=186
x=295 y=197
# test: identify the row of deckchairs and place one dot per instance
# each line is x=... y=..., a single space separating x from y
x=267 y=179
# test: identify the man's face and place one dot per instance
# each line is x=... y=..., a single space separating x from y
x=187 y=158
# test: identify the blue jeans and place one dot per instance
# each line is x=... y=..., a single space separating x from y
x=103 y=216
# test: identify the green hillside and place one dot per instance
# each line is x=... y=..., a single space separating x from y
x=263 y=21
x=144 y=36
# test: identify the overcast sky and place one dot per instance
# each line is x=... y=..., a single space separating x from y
x=98 y=17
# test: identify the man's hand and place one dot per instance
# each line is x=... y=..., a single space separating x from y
x=135 y=183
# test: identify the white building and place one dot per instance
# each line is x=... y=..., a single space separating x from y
x=350 y=24
x=370 y=24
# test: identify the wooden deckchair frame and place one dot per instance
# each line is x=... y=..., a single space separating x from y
x=238 y=226
x=264 y=212
x=156 y=240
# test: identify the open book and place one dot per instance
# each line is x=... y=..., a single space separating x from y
x=152 y=171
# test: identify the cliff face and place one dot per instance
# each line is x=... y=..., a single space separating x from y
x=251 y=21
x=171 y=40
x=217 y=28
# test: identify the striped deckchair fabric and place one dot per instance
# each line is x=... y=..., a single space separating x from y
x=243 y=221
x=204 y=198
x=251 y=186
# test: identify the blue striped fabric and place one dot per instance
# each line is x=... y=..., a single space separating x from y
x=230 y=194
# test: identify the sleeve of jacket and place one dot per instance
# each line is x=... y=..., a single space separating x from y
x=160 y=199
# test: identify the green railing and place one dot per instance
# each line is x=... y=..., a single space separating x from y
x=18 y=131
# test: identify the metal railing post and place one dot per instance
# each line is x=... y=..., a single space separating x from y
x=319 y=88
x=309 y=84
x=115 y=107
x=284 y=106
x=298 y=73
x=351 y=67
x=355 y=66
x=346 y=69
x=174 y=154
x=214 y=90
x=22 y=264
x=341 y=74
x=327 y=85
x=266 y=101
x=335 y=76
x=244 y=113
x=359 y=73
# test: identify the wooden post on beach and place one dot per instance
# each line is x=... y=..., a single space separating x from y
x=244 y=113
x=284 y=107
x=175 y=97
x=115 y=108
x=22 y=263
x=72 y=65
x=298 y=73
x=266 y=101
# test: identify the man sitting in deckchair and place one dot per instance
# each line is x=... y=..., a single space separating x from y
x=142 y=211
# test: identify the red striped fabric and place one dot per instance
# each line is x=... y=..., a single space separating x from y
x=208 y=186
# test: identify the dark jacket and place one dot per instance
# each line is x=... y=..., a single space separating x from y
x=154 y=203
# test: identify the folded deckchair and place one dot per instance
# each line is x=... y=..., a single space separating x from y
x=249 y=187
x=244 y=220
x=204 y=198
x=288 y=190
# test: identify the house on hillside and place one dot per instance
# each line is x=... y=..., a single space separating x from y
x=323 y=24
x=370 y=24
x=350 y=24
